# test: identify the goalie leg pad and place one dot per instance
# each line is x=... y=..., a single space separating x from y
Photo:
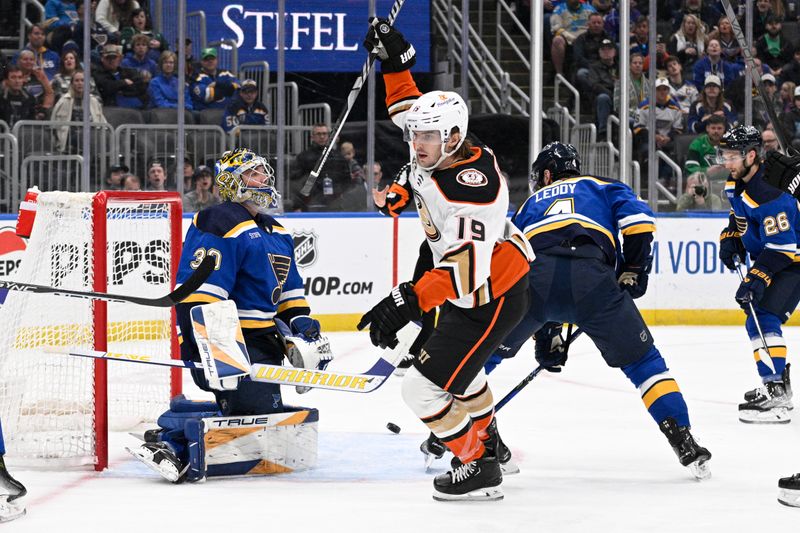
x=256 y=445
x=173 y=423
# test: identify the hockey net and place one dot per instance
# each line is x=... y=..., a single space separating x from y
x=56 y=409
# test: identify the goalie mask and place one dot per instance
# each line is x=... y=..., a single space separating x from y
x=242 y=176
x=433 y=118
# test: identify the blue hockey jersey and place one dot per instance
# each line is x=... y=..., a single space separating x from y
x=255 y=266
x=768 y=221
x=589 y=209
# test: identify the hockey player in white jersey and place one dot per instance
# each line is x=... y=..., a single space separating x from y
x=10 y=489
x=478 y=278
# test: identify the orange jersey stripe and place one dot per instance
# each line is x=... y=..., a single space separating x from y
x=400 y=86
x=475 y=347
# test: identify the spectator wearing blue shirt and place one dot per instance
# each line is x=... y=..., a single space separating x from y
x=139 y=59
x=45 y=58
x=245 y=109
x=163 y=89
x=713 y=64
x=212 y=88
x=63 y=22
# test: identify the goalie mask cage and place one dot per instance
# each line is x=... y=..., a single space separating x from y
x=56 y=410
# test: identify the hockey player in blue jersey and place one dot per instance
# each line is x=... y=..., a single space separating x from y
x=583 y=275
x=764 y=223
x=10 y=489
x=255 y=268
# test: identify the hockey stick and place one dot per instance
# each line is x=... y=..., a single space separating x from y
x=351 y=99
x=365 y=382
x=178 y=295
x=756 y=73
x=738 y=262
x=524 y=383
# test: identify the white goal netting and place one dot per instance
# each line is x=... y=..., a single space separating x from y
x=49 y=403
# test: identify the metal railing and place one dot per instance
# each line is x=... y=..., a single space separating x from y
x=24 y=21
x=257 y=71
x=227 y=54
x=677 y=173
x=8 y=171
x=576 y=108
x=583 y=137
x=496 y=92
x=310 y=114
x=196 y=31
x=504 y=38
x=49 y=173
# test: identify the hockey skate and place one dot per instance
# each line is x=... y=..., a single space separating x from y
x=789 y=490
x=478 y=480
x=10 y=490
x=495 y=446
x=160 y=458
x=433 y=449
x=770 y=404
x=690 y=454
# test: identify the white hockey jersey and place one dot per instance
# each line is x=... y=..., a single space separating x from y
x=477 y=253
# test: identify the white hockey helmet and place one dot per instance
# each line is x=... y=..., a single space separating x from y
x=441 y=111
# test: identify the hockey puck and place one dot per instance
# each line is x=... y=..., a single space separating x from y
x=394 y=428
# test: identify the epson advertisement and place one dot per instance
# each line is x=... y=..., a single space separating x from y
x=321 y=36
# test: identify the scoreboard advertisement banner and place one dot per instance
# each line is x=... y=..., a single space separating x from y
x=321 y=36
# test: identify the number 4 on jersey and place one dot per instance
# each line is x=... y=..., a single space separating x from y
x=564 y=206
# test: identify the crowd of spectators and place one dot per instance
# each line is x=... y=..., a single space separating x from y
x=700 y=76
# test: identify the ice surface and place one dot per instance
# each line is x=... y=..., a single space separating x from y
x=592 y=460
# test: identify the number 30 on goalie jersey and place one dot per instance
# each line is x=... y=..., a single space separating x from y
x=254 y=265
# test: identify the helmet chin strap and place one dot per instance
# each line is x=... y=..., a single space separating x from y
x=442 y=157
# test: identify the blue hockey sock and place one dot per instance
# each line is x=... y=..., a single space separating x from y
x=770 y=365
x=2 y=442
x=659 y=391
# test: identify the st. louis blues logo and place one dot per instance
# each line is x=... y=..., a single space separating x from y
x=305 y=248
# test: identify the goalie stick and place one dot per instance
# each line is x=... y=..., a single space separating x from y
x=351 y=99
x=756 y=73
x=365 y=382
x=178 y=295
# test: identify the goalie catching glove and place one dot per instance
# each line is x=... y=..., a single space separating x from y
x=306 y=347
x=549 y=347
x=395 y=53
x=390 y=315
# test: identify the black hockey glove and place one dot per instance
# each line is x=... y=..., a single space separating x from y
x=633 y=279
x=396 y=54
x=390 y=315
x=730 y=245
x=783 y=172
x=752 y=288
x=549 y=347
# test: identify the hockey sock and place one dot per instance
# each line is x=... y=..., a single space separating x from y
x=659 y=391
x=770 y=365
x=2 y=442
x=479 y=405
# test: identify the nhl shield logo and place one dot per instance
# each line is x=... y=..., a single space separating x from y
x=305 y=248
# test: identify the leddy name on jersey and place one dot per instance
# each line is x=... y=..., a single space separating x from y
x=554 y=190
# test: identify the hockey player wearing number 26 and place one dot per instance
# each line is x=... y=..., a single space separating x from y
x=765 y=223
x=572 y=222
x=478 y=279
x=255 y=268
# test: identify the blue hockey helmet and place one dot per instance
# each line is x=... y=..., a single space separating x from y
x=562 y=160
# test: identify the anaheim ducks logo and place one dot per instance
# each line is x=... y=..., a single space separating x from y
x=472 y=178
x=741 y=224
x=425 y=217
